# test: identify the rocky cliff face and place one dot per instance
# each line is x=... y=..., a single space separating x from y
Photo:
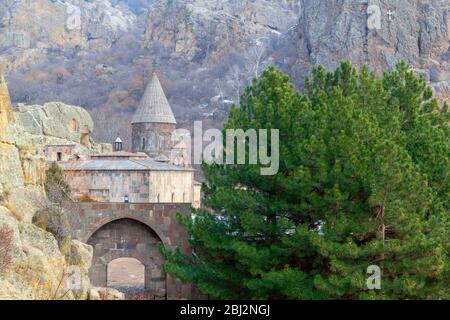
x=32 y=264
x=199 y=29
x=57 y=120
x=23 y=140
x=45 y=24
x=6 y=112
x=380 y=36
x=100 y=54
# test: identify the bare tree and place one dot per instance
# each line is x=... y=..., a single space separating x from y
x=237 y=77
x=109 y=126
x=256 y=56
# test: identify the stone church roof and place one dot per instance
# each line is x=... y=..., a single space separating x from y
x=154 y=107
x=120 y=165
x=119 y=155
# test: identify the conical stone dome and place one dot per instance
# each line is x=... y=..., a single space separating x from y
x=154 y=107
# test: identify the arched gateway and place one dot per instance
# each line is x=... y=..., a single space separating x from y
x=126 y=230
x=128 y=238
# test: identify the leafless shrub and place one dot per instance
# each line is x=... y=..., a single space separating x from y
x=57 y=216
x=54 y=220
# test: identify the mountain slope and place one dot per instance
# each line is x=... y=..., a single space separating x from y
x=100 y=54
x=415 y=31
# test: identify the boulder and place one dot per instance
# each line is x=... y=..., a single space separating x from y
x=56 y=119
x=98 y=293
x=81 y=255
x=17 y=257
x=36 y=265
x=79 y=262
x=12 y=181
x=36 y=269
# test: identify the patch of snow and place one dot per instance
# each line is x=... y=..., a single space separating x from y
x=278 y=33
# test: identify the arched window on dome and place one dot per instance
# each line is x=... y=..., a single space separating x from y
x=144 y=144
x=74 y=125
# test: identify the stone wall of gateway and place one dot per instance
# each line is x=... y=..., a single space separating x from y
x=109 y=186
x=171 y=186
x=118 y=230
x=139 y=186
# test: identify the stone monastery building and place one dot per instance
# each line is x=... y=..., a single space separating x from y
x=126 y=203
x=155 y=172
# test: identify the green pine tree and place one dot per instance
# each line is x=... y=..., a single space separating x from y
x=363 y=180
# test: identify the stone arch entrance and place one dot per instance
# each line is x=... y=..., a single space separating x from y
x=128 y=238
x=93 y=218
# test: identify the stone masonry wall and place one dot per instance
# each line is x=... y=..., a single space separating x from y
x=133 y=230
x=109 y=186
x=140 y=186
x=155 y=139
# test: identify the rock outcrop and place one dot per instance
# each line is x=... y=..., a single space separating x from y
x=22 y=145
x=6 y=112
x=38 y=261
x=198 y=29
x=36 y=267
x=43 y=24
x=415 y=31
x=57 y=120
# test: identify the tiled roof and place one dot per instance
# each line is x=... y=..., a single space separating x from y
x=119 y=154
x=154 y=107
x=120 y=165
